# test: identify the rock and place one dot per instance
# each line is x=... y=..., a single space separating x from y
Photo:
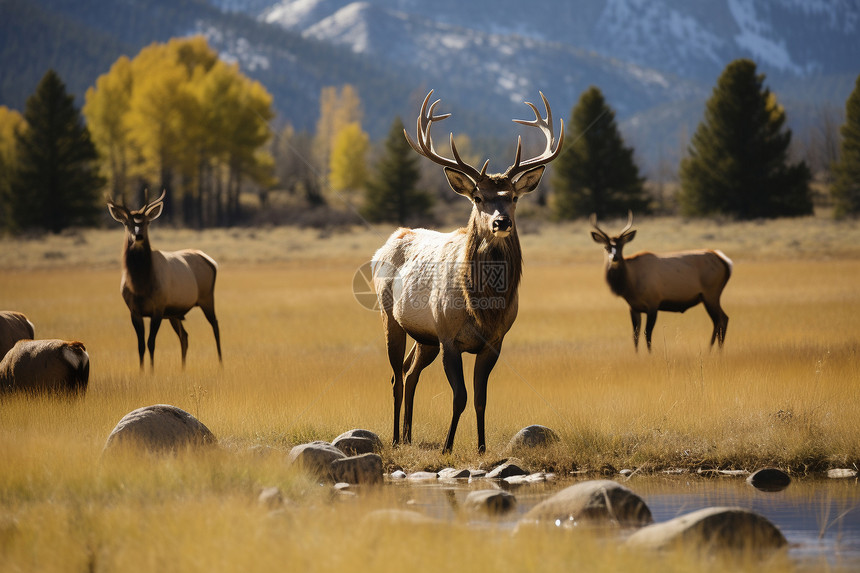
x=841 y=473
x=594 y=502
x=422 y=476
x=315 y=458
x=271 y=498
x=354 y=446
x=361 y=434
x=769 y=479
x=363 y=469
x=398 y=474
x=532 y=437
x=506 y=470
x=477 y=474
x=712 y=528
x=160 y=428
x=492 y=501
x=453 y=473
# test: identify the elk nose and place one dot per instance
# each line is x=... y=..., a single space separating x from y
x=502 y=225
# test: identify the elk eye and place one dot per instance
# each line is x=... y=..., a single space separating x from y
x=516 y=199
x=476 y=199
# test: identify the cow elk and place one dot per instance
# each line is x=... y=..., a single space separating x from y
x=672 y=282
x=45 y=366
x=14 y=326
x=162 y=284
x=457 y=291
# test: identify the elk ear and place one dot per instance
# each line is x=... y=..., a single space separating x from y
x=154 y=212
x=598 y=238
x=627 y=237
x=460 y=182
x=528 y=181
x=117 y=213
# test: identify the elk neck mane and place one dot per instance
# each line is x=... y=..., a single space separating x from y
x=490 y=276
x=138 y=267
x=616 y=277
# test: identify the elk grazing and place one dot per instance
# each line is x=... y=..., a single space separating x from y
x=672 y=282
x=43 y=366
x=14 y=326
x=162 y=284
x=457 y=291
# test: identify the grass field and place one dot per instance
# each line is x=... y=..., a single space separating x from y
x=303 y=360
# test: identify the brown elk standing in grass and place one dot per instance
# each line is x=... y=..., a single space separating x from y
x=670 y=281
x=162 y=284
x=14 y=326
x=37 y=366
x=457 y=291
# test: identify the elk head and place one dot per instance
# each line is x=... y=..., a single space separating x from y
x=137 y=222
x=494 y=196
x=613 y=245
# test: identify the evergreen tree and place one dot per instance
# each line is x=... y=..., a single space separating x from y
x=846 y=188
x=737 y=161
x=391 y=192
x=596 y=172
x=56 y=183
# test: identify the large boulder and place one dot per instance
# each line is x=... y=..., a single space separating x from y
x=160 y=428
x=492 y=501
x=356 y=442
x=534 y=436
x=595 y=502
x=315 y=458
x=712 y=528
x=363 y=469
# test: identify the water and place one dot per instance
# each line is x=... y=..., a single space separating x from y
x=819 y=518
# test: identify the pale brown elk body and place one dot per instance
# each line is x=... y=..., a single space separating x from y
x=42 y=366
x=671 y=282
x=14 y=326
x=456 y=292
x=162 y=284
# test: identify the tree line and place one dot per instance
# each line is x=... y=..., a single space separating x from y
x=177 y=117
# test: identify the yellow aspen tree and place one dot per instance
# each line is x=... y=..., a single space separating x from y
x=347 y=165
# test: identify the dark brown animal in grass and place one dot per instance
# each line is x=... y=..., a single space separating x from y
x=45 y=366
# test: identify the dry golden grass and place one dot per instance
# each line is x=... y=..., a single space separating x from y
x=303 y=360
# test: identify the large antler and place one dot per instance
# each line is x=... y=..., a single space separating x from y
x=425 y=142
x=593 y=220
x=546 y=126
x=147 y=205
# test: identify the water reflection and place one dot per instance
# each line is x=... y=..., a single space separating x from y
x=819 y=518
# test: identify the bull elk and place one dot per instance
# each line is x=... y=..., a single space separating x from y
x=457 y=291
x=42 y=366
x=14 y=326
x=162 y=284
x=672 y=282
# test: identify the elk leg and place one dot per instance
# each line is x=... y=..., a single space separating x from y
x=395 y=341
x=650 y=321
x=209 y=313
x=452 y=360
x=419 y=358
x=636 y=317
x=154 y=325
x=484 y=363
x=176 y=323
x=720 y=320
x=137 y=322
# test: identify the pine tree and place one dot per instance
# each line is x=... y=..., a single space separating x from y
x=846 y=188
x=737 y=161
x=56 y=183
x=596 y=172
x=391 y=192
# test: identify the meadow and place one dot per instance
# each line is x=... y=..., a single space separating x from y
x=303 y=360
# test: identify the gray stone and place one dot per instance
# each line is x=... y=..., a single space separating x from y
x=422 y=476
x=506 y=470
x=841 y=473
x=712 y=528
x=532 y=437
x=454 y=473
x=477 y=474
x=315 y=458
x=160 y=428
x=492 y=501
x=398 y=474
x=363 y=434
x=354 y=446
x=363 y=469
x=594 y=502
x=769 y=479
